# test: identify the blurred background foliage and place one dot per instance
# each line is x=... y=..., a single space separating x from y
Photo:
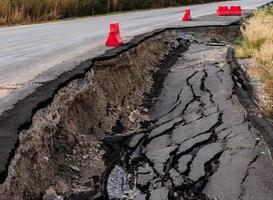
x=25 y=11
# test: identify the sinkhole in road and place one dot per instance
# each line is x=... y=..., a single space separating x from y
x=157 y=120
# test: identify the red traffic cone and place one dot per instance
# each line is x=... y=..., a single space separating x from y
x=114 y=38
x=187 y=15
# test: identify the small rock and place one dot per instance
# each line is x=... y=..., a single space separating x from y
x=61 y=187
x=50 y=194
x=46 y=158
x=74 y=176
x=75 y=168
x=74 y=185
x=97 y=195
x=81 y=143
x=213 y=40
x=133 y=117
x=90 y=183
x=145 y=110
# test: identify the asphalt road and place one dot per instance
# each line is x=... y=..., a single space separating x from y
x=33 y=54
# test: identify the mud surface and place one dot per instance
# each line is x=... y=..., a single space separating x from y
x=200 y=144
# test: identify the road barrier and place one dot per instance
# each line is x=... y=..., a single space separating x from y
x=187 y=15
x=235 y=10
x=229 y=11
x=222 y=10
x=114 y=38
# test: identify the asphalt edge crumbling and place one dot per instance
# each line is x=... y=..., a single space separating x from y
x=244 y=90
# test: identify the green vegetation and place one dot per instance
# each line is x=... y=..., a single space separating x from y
x=26 y=11
x=257 y=43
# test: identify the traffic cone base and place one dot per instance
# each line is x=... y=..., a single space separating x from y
x=114 y=38
x=187 y=15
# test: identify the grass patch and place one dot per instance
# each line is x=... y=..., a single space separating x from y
x=257 y=43
x=256 y=31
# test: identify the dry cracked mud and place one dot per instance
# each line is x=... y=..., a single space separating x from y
x=200 y=144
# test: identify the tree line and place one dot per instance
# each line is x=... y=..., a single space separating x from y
x=25 y=11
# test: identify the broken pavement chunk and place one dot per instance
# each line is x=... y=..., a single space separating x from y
x=183 y=163
x=204 y=155
x=159 y=157
x=203 y=125
x=144 y=175
x=196 y=141
x=159 y=194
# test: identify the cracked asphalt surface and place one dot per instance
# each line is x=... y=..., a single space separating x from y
x=202 y=146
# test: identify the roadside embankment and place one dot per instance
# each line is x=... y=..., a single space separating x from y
x=255 y=50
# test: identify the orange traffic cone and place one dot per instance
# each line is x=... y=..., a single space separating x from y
x=187 y=15
x=114 y=38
